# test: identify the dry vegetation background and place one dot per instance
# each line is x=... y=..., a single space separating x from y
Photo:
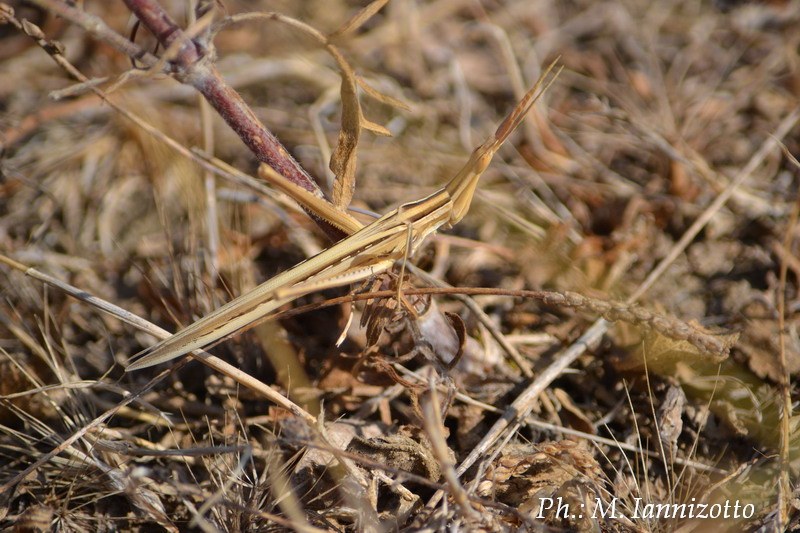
x=661 y=108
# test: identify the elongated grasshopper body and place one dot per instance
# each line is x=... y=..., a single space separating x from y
x=366 y=252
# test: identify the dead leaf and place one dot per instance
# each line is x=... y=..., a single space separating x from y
x=461 y=330
x=375 y=94
x=343 y=159
x=660 y=354
x=577 y=418
x=670 y=423
x=375 y=128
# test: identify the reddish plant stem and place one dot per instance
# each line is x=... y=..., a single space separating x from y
x=266 y=147
x=194 y=68
x=157 y=20
x=240 y=117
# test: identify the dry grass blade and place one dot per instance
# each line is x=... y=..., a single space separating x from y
x=358 y=20
x=144 y=325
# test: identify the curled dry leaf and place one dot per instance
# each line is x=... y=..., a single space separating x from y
x=461 y=331
x=343 y=159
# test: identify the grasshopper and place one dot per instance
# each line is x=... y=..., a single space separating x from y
x=367 y=251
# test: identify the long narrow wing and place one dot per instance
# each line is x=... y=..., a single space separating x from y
x=340 y=265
